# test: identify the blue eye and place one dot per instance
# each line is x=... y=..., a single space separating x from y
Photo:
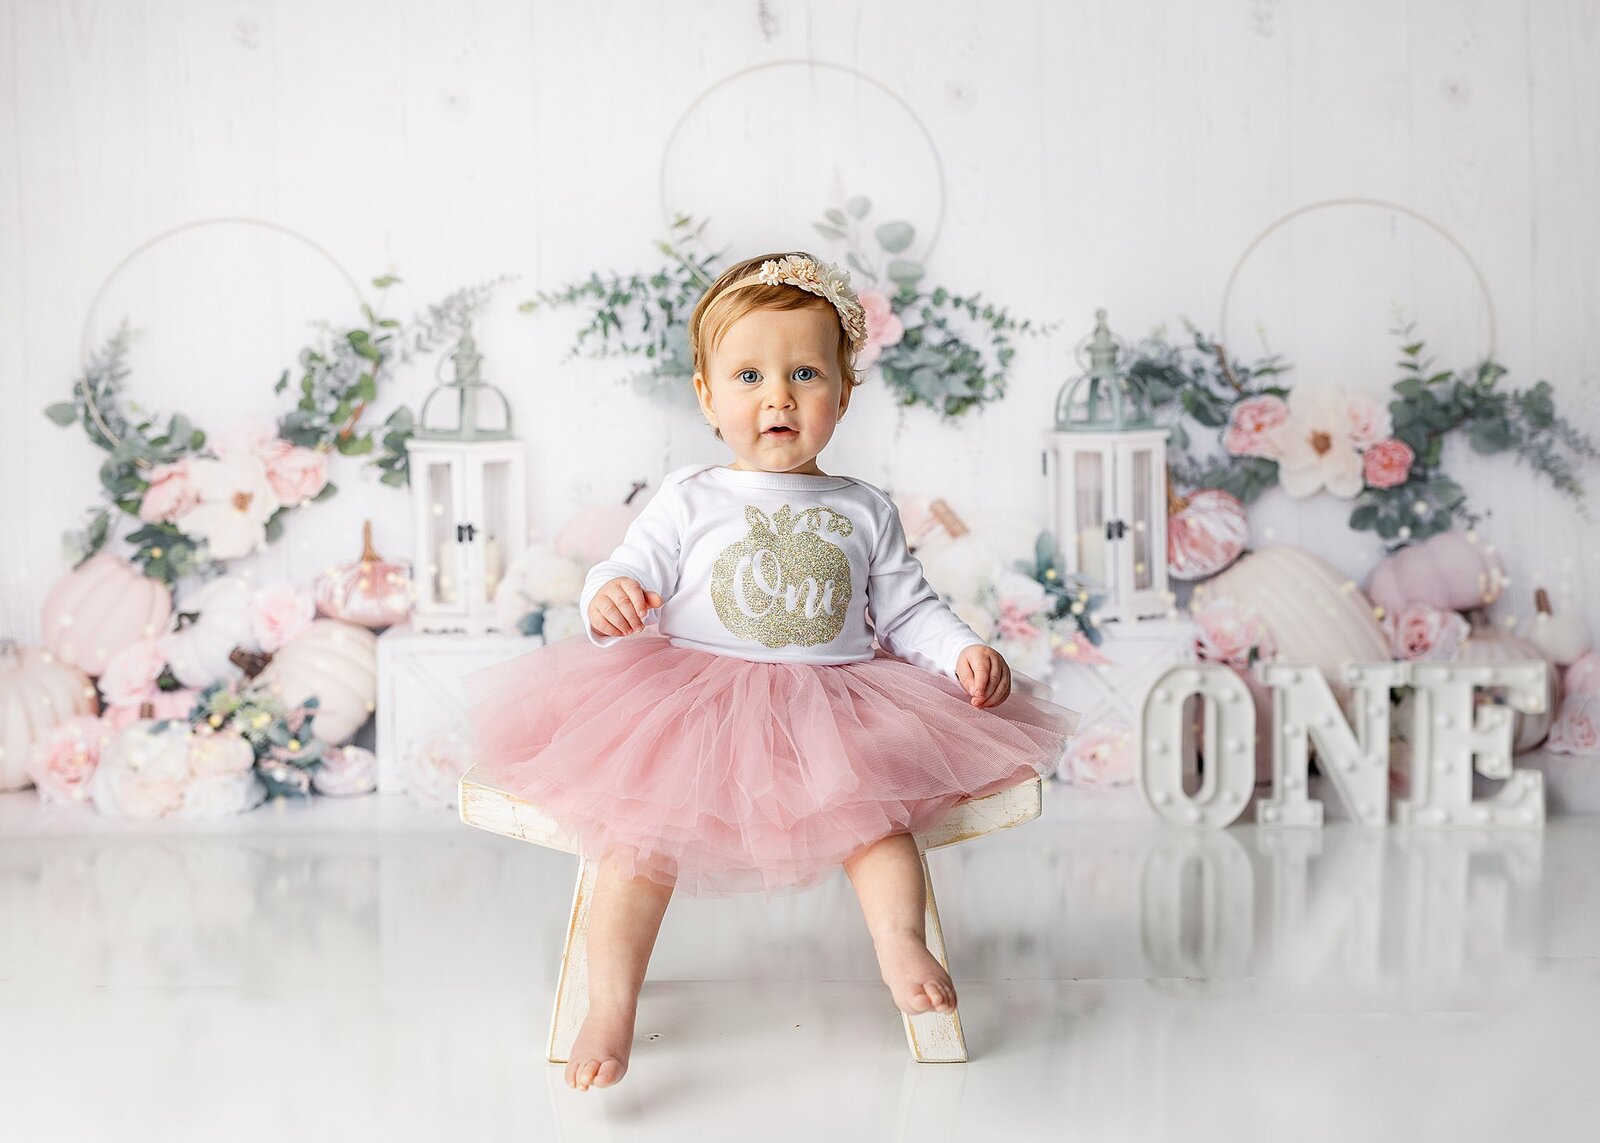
x=805 y=369
x=742 y=373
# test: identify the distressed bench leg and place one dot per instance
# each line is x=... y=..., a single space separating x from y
x=572 y=987
x=935 y=1037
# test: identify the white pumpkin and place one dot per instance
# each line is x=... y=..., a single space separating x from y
x=1315 y=614
x=338 y=663
x=37 y=694
x=1562 y=639
x=197 y=650
x=1487 y=645
x=100 y=607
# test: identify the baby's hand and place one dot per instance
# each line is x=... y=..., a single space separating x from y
x=618 y=608
x=983 y=671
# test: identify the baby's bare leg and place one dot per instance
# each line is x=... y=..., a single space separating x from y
x=888 y=880
x=624 y=919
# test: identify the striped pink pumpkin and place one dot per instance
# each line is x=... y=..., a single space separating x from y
x=102 y=606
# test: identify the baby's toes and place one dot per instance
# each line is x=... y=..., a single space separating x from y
x=585 y=1073
x=609 y=1072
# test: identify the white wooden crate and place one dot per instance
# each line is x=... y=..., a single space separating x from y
x=420 y=688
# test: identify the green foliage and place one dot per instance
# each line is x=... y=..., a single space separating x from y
x=937 y=362
x=644 y=314
x=334 y=383
x=1197 y=383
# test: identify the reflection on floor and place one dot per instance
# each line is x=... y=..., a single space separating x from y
x=266 y=978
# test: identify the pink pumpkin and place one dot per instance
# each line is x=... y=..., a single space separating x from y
x=370 y=592
x=101 y=607
x=595 y=532
x=1205 y=533
x=1450 y=570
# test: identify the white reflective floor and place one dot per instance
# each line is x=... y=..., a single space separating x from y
x=363 y=971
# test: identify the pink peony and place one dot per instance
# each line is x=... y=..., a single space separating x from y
x=170 y=494
x=346 y=770
x=1387 y=464
x=278 y=613
x=1576 y=729
x=63 y=762
x=130 y=675
x=1100 y=756
x=884 y=327
x=1583 y=676
x=1227 y=632
x=297 y=475
x=1423 y=631
x=1015 y=622
x=1370 y=421
x=255 y=437
x=1250 y=427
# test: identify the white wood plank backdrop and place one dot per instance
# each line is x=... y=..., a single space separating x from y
x=1096 y=153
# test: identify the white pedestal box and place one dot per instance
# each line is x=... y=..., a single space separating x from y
x=420 y=688
x=1139 y=653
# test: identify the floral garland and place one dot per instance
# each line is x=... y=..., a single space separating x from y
x=202 y=499
x=1387 y=458
x=911 y=332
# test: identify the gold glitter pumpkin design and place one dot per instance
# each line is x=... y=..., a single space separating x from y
x=784 y=584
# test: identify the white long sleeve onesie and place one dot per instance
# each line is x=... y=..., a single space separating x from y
x=781 y=567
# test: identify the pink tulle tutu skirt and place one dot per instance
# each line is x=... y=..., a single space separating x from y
x=720 y=775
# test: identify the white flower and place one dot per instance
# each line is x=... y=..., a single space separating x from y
x=1313 y=446
x=235 y=504
x=1025 y=592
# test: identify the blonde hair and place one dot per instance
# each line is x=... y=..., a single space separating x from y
x=719 y=307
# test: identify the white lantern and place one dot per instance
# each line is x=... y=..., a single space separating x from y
x=469 y=497
x=1105 y=470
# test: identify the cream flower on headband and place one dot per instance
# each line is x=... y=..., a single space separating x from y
x=825 y=280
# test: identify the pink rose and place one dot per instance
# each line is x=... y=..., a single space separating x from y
x=346 y=770
x=884 y=328
x=62 y=763
x=297 y=475
x=1227 y=632
x=1251 y=424
x=278 y=613
x=1423 y=631
x=1576 y=729
x=1100 y=756
x=1015 y=622
x=1387 y=464
x=130 y=675
x=170 y=494
x=1370 y=421
x=255 y=436
x=1583 y=676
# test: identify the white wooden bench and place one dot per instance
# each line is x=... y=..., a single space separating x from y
x=935 y=1037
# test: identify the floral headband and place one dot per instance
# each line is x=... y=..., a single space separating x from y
x=822 y=278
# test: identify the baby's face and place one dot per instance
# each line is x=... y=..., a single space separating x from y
x=776 y=367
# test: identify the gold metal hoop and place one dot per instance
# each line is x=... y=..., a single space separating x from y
x=99 y=294
x=1483 y=284
x=938 y=164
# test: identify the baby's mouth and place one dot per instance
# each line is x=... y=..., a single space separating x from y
x=781 y=432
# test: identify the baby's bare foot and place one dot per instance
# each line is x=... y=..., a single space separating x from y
x=600 y=1053
x=916 y=980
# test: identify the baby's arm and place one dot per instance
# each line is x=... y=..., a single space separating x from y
x=648 y=554
x=907 y=615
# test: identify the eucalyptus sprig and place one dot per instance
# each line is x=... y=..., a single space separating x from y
x=934 y=362
x=644 y=314
x=1429 y=405
x=338 y=378
x=1200 y=382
